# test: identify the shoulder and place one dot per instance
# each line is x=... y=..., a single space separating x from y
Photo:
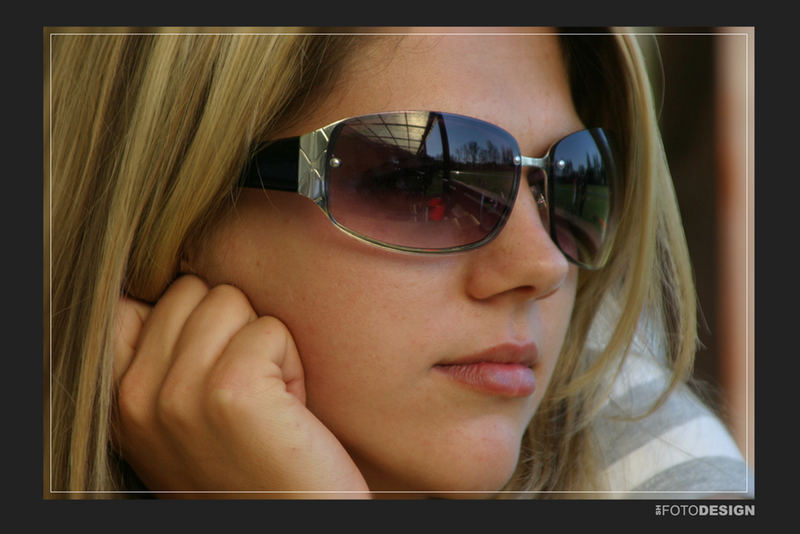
x=680 y=450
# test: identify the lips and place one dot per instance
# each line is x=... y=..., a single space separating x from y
x=504 y=370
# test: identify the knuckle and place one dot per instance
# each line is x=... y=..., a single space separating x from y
x=189 y=287
x=231 y=393
x=271 y=327
x=191 y=282
x=223 y=399
x=230 y=299
x=224 y=383
x=228 y=293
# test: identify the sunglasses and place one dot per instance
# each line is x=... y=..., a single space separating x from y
x=430 y=182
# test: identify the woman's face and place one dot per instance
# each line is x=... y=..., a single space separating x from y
x=376 y=329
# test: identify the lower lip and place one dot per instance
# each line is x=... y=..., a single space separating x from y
x=503 y=379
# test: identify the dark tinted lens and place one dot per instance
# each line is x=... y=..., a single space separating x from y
x=583 y=178
x=420 y=179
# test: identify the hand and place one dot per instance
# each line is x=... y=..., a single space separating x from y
x=212 y=398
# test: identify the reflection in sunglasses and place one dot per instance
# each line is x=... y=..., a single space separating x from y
x=427 y=181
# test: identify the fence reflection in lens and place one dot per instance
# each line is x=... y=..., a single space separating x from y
x=421 y=179
x=581 y=181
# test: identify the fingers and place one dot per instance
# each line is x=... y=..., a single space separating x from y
x=176 y=344
x=208 y=330
x=212 y=397
x=158 y=335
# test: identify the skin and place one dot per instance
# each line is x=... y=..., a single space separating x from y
x=301 y=358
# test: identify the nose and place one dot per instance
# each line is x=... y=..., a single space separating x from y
x=522 y=259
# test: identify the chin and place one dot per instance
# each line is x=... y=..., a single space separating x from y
x=468 y=480
x=465 y=466
x=480 y=476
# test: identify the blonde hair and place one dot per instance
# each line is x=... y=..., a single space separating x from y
x=149 y=135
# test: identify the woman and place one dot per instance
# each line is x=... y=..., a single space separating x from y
x=213 y=331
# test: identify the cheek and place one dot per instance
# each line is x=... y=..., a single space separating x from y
x=357 y=314
x=358 y=330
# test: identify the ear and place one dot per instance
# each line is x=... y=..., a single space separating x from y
x=186 y=265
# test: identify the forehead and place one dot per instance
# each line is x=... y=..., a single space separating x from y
x=515 y=81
